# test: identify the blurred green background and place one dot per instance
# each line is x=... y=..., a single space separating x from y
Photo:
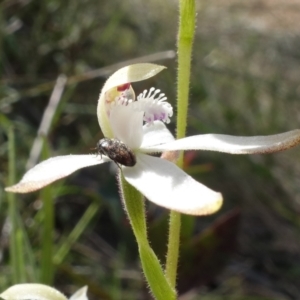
x=245 y=81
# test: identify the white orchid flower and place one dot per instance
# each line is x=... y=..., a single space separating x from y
x=81 y=294
x=134 y=130
x=36 y=291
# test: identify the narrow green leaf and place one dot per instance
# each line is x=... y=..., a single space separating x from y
x=47 y=267
x=16 y=236
x=85 y=220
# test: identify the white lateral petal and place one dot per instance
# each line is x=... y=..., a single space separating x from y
x=80 y=294
x=132 y=73
x=155 y=134
x=34 y=291
x=127 y=125
x=53 y=169
x=234 y=144
x=168 y=186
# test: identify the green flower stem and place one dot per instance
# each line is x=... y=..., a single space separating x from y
x=16 y=235
x=187 y=19
x=173 y=247
x=135 y=208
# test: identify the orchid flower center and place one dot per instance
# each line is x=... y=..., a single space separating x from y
x=152 y=103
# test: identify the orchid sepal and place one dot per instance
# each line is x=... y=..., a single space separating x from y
x=54 y=169
x=166 y=185
x=81 y=294
x=34 y=291
x=231 y=144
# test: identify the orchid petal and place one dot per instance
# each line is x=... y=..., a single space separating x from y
x=34 y=291
x=80 y=294
x=155 y=134
x=127 y=125
x=166 y=185
x=233 y=144
x=53 y=169
x=132 y=73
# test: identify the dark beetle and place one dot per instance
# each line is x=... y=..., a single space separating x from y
x=116 y=151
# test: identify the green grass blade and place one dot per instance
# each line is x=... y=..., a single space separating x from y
x=64 y=249
x=16 y=237
x=47 y=267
